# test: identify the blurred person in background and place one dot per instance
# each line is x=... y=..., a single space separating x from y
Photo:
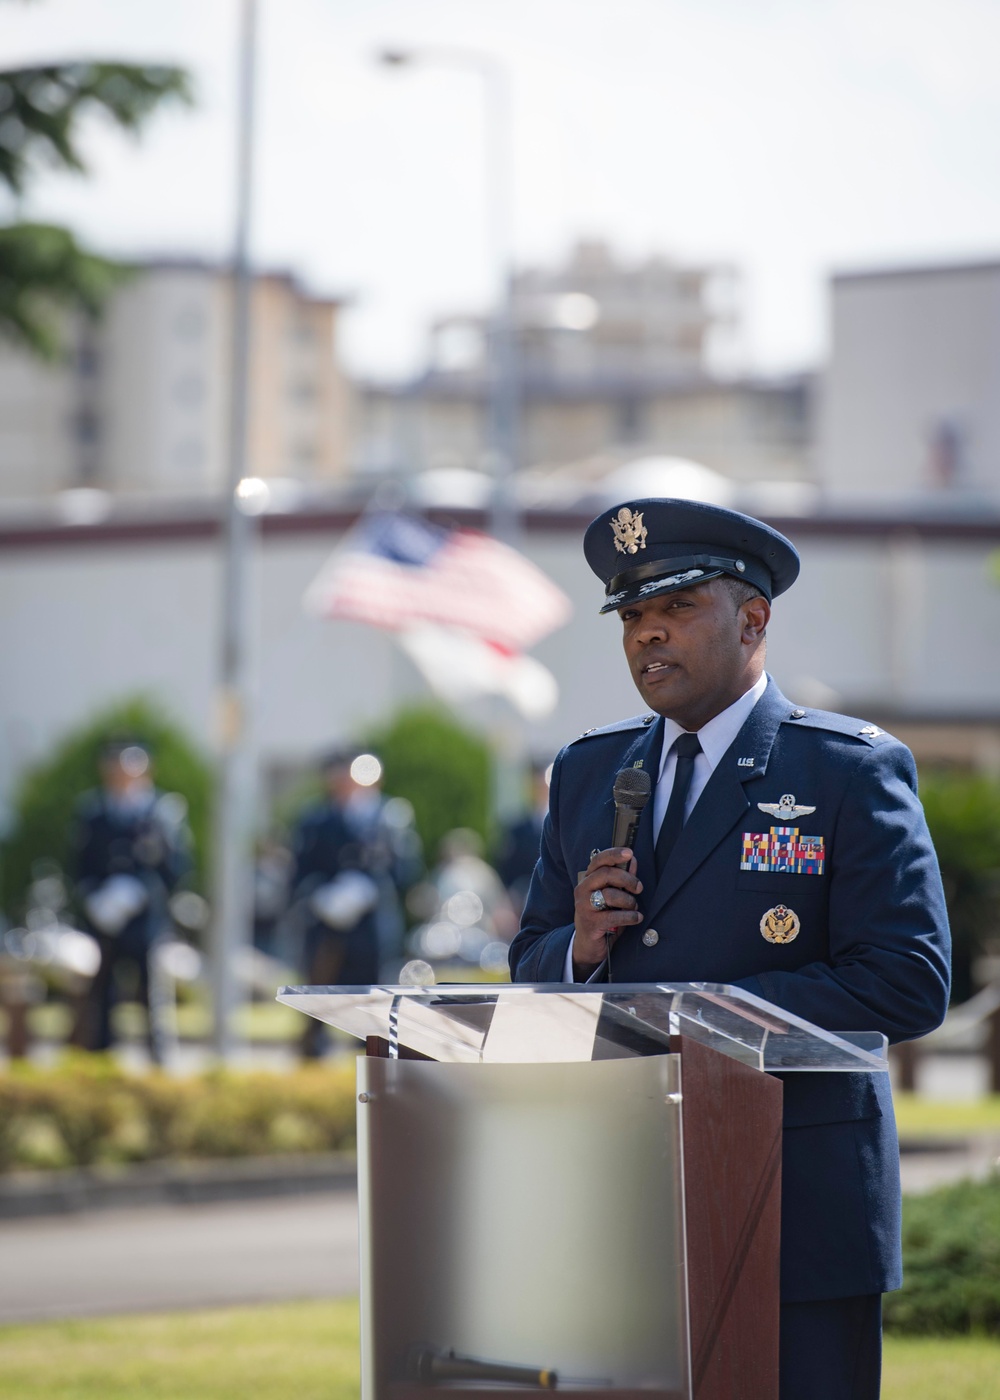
x=271 y=870
x=384 y=826
x=130 y=846
x=520 y=843
x=353 y=853
x=470 y=893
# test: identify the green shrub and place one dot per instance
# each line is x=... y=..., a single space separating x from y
x=951 y=1262
x=42 y=808
x=441 y=768
x=88 y=1110
x=963 y=813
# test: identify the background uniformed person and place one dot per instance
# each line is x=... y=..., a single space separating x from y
x=784 y=850
x=130 y=847
x=520 y=842
x=354 y=852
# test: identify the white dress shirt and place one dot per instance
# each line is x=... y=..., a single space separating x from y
x=715 y=738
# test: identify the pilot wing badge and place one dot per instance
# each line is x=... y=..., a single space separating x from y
x=629 y=531
x=785 y=808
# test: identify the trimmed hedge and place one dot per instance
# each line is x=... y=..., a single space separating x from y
x=951 y=1262
x=88 y=1110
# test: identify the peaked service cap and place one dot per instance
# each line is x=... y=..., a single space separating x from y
x=660 y=545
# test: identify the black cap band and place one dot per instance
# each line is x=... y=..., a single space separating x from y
x=685 y=571
x=658 y=568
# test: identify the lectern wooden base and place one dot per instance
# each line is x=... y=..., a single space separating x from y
x=732 y=1209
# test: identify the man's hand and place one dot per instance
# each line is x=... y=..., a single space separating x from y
x=619 y=887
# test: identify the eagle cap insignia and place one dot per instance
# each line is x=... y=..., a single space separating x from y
x=629 y=531
x=780 y=924
x=785 y=807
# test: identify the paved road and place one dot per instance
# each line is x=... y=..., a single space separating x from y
x=191 y=1256
x=178 y=1257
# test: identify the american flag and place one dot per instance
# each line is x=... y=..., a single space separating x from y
x=396 y=572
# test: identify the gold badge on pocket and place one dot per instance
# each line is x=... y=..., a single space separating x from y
x=780 y=924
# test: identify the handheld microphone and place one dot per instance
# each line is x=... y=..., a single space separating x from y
x=631 y=793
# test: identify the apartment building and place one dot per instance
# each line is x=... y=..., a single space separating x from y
x=140 y=402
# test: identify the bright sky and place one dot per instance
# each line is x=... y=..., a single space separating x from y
x=786 y=136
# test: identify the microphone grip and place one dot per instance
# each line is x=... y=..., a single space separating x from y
x=626 y=826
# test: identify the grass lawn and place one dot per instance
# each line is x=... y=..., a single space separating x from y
x=941 y=1368
x=309 y=1351
x=920 y=1117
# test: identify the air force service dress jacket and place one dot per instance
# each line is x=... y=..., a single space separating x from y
x=868 y=951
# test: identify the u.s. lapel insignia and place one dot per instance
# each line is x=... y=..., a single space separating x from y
x=780 y=924
x=785 y=808
x=629 y=531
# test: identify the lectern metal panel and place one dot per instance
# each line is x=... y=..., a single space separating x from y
x=525 y=1214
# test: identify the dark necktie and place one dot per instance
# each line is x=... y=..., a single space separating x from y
x=687 y=748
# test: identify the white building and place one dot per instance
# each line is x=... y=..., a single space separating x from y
x=615 y=359
x=140 y=403
x=895 y=620
x=911 y=399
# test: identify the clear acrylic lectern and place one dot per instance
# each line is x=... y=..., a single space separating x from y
x=572 y=1187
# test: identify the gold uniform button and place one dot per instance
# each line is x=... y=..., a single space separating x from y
x=651 y=938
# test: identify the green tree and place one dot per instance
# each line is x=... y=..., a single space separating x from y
x=44 y=272
x=45 y=799
x=443 y=769
x=963 y=813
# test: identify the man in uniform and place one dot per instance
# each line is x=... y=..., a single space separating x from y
x=353 y=853
x=783 y=850
x=130 y=847
x=521 y=840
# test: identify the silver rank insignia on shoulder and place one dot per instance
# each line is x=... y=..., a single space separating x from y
x=785 y=808
x=780 y=924
x=871 y=731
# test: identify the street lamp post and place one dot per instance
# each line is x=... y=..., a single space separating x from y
x=509 y=741
x=504 y=378
x=233 y=827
